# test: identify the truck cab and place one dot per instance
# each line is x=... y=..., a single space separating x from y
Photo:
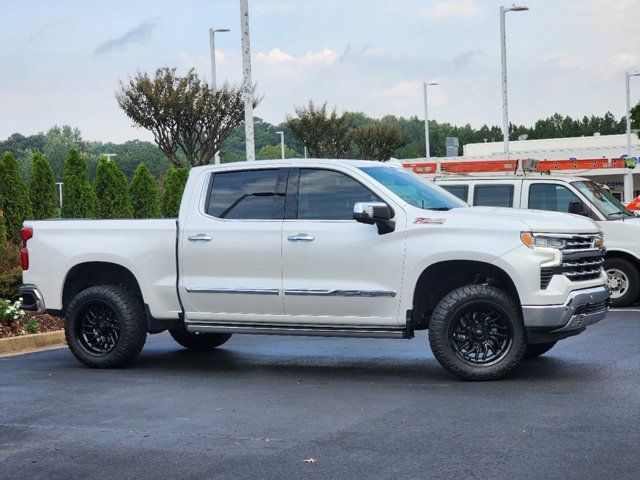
x=567 y=194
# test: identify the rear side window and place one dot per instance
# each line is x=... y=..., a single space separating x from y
x=247 y=195
x=493 y=195
x=460 y=191
x=329 y=195
x=547 y=196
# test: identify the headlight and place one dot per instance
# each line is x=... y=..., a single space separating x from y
x=533 y=240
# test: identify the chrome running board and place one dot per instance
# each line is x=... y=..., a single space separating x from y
x=302 y=331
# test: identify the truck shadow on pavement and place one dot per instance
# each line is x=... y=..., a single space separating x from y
x=363 y=366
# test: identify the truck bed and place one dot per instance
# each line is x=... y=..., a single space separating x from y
x=147 y=248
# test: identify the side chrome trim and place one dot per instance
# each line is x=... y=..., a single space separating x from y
x=32 y=299
x=298 y=331
x=339 y=293
x=228 y=290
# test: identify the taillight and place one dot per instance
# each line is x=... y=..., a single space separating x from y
x=25 y=234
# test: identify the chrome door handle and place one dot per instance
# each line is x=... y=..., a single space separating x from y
x=301 y=237
x=200 y=237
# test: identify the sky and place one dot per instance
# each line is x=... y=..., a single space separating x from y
x=61 y=62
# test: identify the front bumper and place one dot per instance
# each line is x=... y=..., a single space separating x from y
x=582 y=308
x=32 y=299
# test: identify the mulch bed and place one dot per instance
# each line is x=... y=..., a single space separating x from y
x=46 y=323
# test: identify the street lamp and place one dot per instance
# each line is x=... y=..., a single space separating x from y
x=503 y=57
x=628 y=181
x=425 y=85
x=281 y=143
x=212 y=46
x=109 y=156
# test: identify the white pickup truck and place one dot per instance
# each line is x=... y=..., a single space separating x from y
x=570 y=194
x=321 y=247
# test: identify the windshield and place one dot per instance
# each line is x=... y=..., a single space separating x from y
x=413 y=189
x=602 y=199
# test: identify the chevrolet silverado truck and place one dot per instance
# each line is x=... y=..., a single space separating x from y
x=570 y=194
x=327 y=248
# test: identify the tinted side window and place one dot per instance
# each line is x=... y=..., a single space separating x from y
x=546 y=196
x=329 y=195
x=248 y=194
x=493 y=195
x=460 y=191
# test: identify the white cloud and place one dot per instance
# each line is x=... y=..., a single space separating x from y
x=409 y=93
x=602 y=69
x=280 y=58
x=452 y=8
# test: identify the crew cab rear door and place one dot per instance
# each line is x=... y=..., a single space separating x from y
x=337 y=271
x=230 y=246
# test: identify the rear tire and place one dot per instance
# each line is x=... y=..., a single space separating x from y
x=476 y=333
x=624 y=280
x=199 y=340
x=105 y=326
x=537 y=349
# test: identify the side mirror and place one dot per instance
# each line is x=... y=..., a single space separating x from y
x=374 y=213
x=577 y=209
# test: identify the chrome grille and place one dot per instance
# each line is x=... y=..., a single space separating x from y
x=579 y=243
x=581 y=259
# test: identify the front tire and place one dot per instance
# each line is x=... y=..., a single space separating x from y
x=624 y=280
x=476 y=333
x=105 y=326
x=537 y=349
x=199 y=340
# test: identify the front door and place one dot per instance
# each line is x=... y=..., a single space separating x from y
x=335 y=270
x=231 y=265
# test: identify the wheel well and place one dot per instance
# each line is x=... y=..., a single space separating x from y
x=624 y=256
x=85 y=275
x=441 y=278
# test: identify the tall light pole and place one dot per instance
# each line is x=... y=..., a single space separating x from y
x=425 y=87
x=212 y=46
x=247 y=87
x=281 y=143
x=503 y=57
x=628 y=180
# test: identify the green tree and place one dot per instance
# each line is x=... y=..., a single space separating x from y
x=16 y=204
x=112 y=191
x=183 y=113
x=42 y=189
x=635 y=117
x=272 y=152
x=143 y=190
x=57 y=143
x=326 y=135
x=378 y=140
x=78 y=198
x=174 y=184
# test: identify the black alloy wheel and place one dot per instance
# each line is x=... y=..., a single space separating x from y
x=480 y=335
x=98 y=328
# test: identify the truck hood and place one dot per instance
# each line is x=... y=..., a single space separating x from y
x=536 y=220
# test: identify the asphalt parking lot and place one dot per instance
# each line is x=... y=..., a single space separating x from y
x=352 y=408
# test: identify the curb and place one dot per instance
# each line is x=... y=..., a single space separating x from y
x=30 y=343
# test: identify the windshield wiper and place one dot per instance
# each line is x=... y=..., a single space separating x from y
x=441 y=209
